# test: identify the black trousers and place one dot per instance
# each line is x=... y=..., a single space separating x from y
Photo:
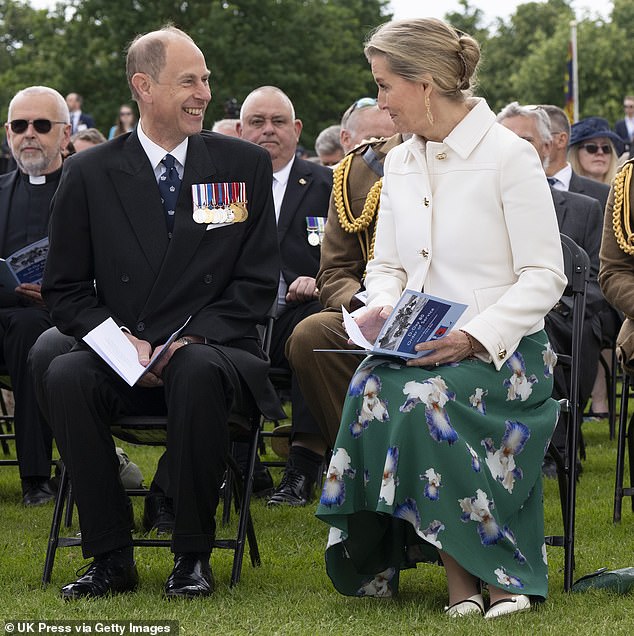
x=82 y=395
x=303 y=420
x=19 y=329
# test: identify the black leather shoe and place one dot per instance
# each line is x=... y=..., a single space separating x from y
x=158 y=513
x=39 y=493
x=295 y=489
x=190 y=578
x=105 y=575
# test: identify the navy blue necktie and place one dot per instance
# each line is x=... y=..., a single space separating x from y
x=552 y=180
x=169 y=186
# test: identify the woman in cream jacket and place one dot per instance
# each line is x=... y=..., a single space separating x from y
x=439 y=459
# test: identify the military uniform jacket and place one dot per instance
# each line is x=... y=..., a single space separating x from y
x=342 y=261
x=616 y=273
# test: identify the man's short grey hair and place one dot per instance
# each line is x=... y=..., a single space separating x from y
x=268 y=90
x=329 y=140
x=514 y=109
x=559 y=121
x=62 y=107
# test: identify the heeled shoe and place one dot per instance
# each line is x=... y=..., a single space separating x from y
x=519 y=603
x=472 y=605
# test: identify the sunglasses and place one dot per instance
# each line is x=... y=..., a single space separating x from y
x=364 y=102
x=594 y=148
x=42 y=126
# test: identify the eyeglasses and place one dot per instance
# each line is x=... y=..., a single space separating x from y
x=594 y=148
x=363 y=102
x=42 y=126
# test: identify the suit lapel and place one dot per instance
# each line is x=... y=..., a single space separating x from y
x=299 y=182
x=136 y=186
x=5 y=200
x=199 y=168
x=561 y=207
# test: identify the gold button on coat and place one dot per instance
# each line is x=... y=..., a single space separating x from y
x=441 y=155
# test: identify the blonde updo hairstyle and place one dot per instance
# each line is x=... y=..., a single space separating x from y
x=415 y=49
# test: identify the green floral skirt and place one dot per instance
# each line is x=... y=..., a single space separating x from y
x=442 y=458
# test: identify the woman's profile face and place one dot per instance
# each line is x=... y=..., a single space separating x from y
x=593 y=157
x=402 y=99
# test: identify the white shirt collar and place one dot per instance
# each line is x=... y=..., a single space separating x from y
x=281 y=176
x=564 y=176
x=155 y=153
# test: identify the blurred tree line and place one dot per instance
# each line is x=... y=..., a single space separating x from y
x=312 y=49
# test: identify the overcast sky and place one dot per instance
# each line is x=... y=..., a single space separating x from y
x=492 y=8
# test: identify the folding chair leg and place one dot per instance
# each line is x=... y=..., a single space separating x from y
x=245 y=527
x=53 y=539
x=620 y=451
x=612 y=382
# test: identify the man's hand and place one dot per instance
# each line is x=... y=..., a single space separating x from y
x=144 y=352
x=31 y=292
x=371 y=321
x=302 y=290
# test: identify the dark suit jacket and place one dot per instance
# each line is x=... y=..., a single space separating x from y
x=620 y=128
x=7 y=183
x=110 y=255
x=307 y=194
x=591 y=188
x=581 y=218
x=87 y=120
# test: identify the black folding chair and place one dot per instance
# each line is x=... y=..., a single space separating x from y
x=152 y=431
x=625 y=432
x=577 y=269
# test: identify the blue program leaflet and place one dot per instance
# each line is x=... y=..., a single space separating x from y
x=24 y=266
x=416 y=318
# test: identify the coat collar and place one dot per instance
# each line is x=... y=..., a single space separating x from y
x=466 y=136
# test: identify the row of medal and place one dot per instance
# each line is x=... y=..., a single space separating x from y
x=220 y=202
x=315 y=226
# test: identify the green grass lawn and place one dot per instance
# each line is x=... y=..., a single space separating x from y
x=291 y=594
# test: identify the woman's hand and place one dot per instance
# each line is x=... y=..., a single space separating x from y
x=455 y=346
x=371 y=321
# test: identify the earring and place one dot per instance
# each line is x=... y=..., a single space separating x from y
x=430 y=116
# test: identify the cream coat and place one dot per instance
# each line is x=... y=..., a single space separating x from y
x=471 y=219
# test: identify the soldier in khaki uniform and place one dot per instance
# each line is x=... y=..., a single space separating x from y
x=347 y=246
x=616 y=273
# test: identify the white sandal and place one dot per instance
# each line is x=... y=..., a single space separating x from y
x=519 y=603
x=472 y=605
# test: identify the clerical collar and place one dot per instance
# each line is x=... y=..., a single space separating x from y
x=42 y=179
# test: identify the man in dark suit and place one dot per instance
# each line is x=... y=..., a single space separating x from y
x=301 y=192
x=37 y=133
x=624 y=128
x=78 y=119
x=155 y=226
x=558 y=170
x=580 y=217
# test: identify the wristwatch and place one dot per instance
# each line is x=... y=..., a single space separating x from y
x=184 y=340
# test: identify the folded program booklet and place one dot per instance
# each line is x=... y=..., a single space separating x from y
x=24 y=266
x=113 y=346
x=416 y=318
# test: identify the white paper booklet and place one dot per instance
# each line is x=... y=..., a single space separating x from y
x=113 y=346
